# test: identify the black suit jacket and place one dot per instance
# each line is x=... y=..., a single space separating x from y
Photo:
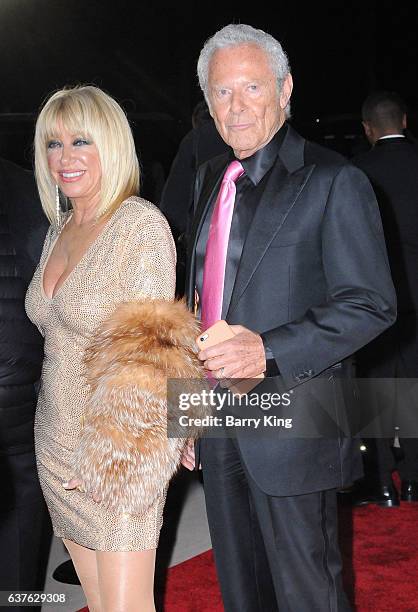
x=314 y=279
x=199 y=145
x=22 y=227
x=392 y=167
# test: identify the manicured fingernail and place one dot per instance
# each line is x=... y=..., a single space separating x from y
x=65 y=484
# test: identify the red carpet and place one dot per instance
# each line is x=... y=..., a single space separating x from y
x=381 y=557
x=380 y=552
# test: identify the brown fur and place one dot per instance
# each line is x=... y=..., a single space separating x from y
x=124 y=454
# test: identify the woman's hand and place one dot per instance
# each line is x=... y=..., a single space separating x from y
x=76 y=484
x=188 y=456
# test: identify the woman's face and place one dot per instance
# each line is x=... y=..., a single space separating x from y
x=75 y=166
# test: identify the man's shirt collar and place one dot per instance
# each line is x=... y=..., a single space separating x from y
x=257 y=165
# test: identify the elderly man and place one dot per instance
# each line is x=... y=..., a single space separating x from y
x=304 y=283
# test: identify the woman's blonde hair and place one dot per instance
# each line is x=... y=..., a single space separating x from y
x=89 y=112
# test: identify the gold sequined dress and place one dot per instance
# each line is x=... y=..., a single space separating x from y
x=132 y=258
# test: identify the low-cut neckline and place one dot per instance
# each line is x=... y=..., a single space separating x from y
x=78 y=264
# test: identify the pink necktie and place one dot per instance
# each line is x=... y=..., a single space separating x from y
x=217 y=246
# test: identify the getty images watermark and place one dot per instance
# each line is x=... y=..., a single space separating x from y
x=226 y=403
x=330 y=406
x=195 y=406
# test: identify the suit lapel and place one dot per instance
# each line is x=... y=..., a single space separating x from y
x=284 y=186
x=280 y=194
x=210 y=186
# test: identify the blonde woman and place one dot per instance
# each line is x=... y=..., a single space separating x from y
x=111 y=247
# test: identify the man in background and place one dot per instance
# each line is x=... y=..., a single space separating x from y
x=199 y=145
x=25 y=530
x=392 y=167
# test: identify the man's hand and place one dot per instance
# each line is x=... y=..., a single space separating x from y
x=240 y=357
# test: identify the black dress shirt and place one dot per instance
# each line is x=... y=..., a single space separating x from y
x=249 y=190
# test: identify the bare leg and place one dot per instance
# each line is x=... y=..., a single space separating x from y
x=126 y=580
x=85 y=563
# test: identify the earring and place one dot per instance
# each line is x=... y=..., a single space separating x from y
x=57 y=206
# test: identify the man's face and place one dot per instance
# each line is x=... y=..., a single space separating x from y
x=244 y=101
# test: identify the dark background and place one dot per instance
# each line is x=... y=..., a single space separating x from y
x=144 y=54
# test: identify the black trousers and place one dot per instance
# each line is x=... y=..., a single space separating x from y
x=271 y=553
x=25 y=527
x=393 y=355
x=380 y=461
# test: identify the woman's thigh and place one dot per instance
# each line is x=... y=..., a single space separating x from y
x=85 y=563
x=126 y=580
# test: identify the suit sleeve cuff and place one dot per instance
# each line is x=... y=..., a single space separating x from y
x=272 y=368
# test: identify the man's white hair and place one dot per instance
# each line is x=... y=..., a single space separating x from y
x=234 y=35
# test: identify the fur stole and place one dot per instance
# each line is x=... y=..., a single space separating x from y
x=124 y=454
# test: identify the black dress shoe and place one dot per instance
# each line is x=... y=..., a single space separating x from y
x=385 y=496
x=409 y=490
x=66 y=573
